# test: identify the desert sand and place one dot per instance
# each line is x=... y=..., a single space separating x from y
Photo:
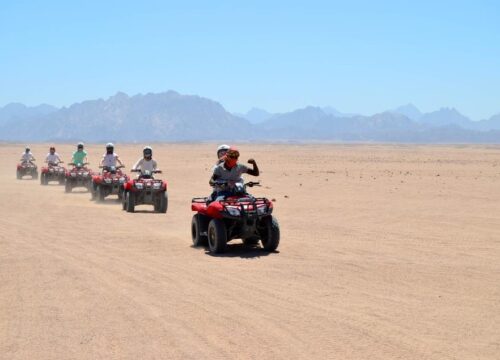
x=387 y=252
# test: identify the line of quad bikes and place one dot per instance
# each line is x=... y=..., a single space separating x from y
x=214 y=224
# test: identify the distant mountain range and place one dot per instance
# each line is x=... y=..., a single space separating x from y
x=170 y=116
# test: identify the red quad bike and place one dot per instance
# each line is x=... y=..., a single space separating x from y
x=78 y=176
x=109 y=182
x=238 y=216
x=146 y=190
x=26 y=168
x=53 y=172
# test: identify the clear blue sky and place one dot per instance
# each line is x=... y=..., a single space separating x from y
x=358 y=56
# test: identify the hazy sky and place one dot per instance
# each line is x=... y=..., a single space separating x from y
x=357 y=56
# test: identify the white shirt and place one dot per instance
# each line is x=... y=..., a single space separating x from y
x=109 y=159
x=53 y=158
x=27 y=156
x=143 y=164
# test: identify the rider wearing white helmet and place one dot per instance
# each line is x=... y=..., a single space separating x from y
x=221 y=151
x=110 y=158
x=146 y=162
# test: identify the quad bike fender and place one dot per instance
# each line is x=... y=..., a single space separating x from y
x=199 y=207
x=128 y=185
x=214 y=210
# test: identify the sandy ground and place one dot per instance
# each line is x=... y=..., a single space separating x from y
x=387 y=252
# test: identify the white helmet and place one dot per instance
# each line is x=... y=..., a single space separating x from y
x=110 y=148
x=79 y=145
x=221 y=148
x=147 y=151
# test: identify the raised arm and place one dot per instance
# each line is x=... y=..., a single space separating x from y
x=255 y=171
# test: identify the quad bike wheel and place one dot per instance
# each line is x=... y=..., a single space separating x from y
x=100 y=193
x=163 y=203
x=68 y=187
x=217 y=236
x=19 y=176
x=130 y=202
x=270 y=233
x=93 y=193
x=199 y=226
x=124 y=200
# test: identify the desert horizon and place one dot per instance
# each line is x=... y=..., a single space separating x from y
x=386 y=251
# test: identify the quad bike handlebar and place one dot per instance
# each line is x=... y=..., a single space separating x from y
x=107 y=167
x=225 y=182
x=253 y=183
x=82 y=164
x=152 y=172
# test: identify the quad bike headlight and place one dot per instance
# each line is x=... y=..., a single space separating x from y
x=107 y=181
x=156 y=185
x=86 y=173
x=73 y=174
x=122 y=179
x=233 y=211
x=139 y=185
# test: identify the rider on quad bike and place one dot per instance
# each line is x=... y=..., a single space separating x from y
x=234 y=214
x=111 y=180
x=110 y=158
x=221 y=152
x=80 y=155
x=27 y=165
x=27 y=156
x=146 y=163
x=52 y=157
x=53 y=171
x=80 y=175
x=146 y=189
x=230 y=171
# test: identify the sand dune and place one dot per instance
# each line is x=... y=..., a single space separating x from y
x=386 y=252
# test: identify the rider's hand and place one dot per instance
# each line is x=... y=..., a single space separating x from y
x=251 y=161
